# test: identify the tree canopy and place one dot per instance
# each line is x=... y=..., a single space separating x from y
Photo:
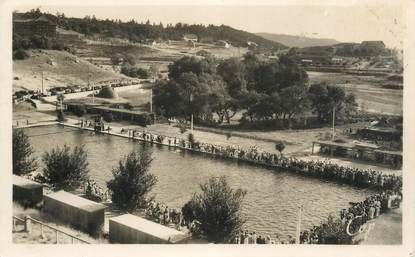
x=218 y=209
x=23 y=162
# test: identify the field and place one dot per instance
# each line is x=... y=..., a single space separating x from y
x=368 y=90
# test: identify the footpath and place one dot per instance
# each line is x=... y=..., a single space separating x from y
x=386 y=230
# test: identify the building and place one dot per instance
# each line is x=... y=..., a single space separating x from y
x=41 y=26
x=131 y=229
x=252 y=45
x=223 y=43
x=190 y=38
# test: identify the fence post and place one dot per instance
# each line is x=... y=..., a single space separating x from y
x=41 y=231
x=57 y=238
x=28 y=224
x=14 y=224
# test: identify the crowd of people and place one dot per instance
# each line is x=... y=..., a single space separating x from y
x=320 y=169
x=353 y=218
x=164 y=215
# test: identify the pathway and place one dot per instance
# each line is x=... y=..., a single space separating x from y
x=387 y=229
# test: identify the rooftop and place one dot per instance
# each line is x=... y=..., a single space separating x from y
x=76 y=201
x=150 y=228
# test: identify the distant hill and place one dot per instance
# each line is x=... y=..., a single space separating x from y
x=139 y=32
x=297 y=41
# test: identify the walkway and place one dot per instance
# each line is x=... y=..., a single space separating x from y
x=387 y=229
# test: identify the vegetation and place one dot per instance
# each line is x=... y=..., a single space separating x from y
x=263 y=90
x=132 y=181
x=20 y=54
x=326 y=98
x=280 y=146
x=140 y=31
x=65 y=169
x=217 y=208
x=23 y=162
x=135 y=72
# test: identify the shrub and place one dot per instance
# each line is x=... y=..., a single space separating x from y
x=66 y=169
x=20 y=54
x=132 y=181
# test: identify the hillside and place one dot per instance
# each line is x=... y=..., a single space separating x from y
x=142 y=32
x=297 y=41
x=59 y=69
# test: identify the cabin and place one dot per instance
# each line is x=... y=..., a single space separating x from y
x=131 y=229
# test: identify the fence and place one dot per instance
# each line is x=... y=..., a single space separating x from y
x=46 y=231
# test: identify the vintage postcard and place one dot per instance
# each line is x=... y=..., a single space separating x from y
x=254 y=129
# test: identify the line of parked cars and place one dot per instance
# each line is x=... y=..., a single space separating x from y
x=36 y=94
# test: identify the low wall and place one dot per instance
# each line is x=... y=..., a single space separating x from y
x=27 y=192
x=130 y=229
x=76 y=211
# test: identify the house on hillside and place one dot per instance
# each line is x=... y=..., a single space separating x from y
x=252 y=45
x=190 y=37
x=41 y=26
x=223 y=43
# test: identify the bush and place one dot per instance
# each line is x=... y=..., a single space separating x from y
x=132 y=181
x=217 y=209
x=23 y=163
x=66 y=169
x=20 y=54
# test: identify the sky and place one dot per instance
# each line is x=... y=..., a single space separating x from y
x=344 y=23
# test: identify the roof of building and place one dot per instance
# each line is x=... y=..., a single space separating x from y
x=150 y=228
x=373 y=43
x=190 y=36
x=24 y=182
x=75 y=201
x=67 y=32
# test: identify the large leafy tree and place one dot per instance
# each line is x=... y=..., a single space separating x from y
x=65 y=168
x=218 y=210
x=132 y=181
x=23 y=162
x=326 y=98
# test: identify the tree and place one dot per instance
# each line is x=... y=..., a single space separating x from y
x=325 y=97
x=66 y=169
x=132 y=181
x=280 y=146
x=217 y=208
x=23 y=163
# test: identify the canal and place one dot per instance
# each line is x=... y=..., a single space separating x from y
x=270 y=205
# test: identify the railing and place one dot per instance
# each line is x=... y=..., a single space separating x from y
x=28 y=228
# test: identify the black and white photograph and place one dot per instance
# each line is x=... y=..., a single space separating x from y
x=208 y=124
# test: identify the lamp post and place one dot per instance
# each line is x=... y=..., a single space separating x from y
x=191 y=116
x=334 y=117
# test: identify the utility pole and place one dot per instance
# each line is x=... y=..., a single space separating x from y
x=42 y=83
x=334 y=117
x=191 y=116
x=151 y=100
x=297 y=237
